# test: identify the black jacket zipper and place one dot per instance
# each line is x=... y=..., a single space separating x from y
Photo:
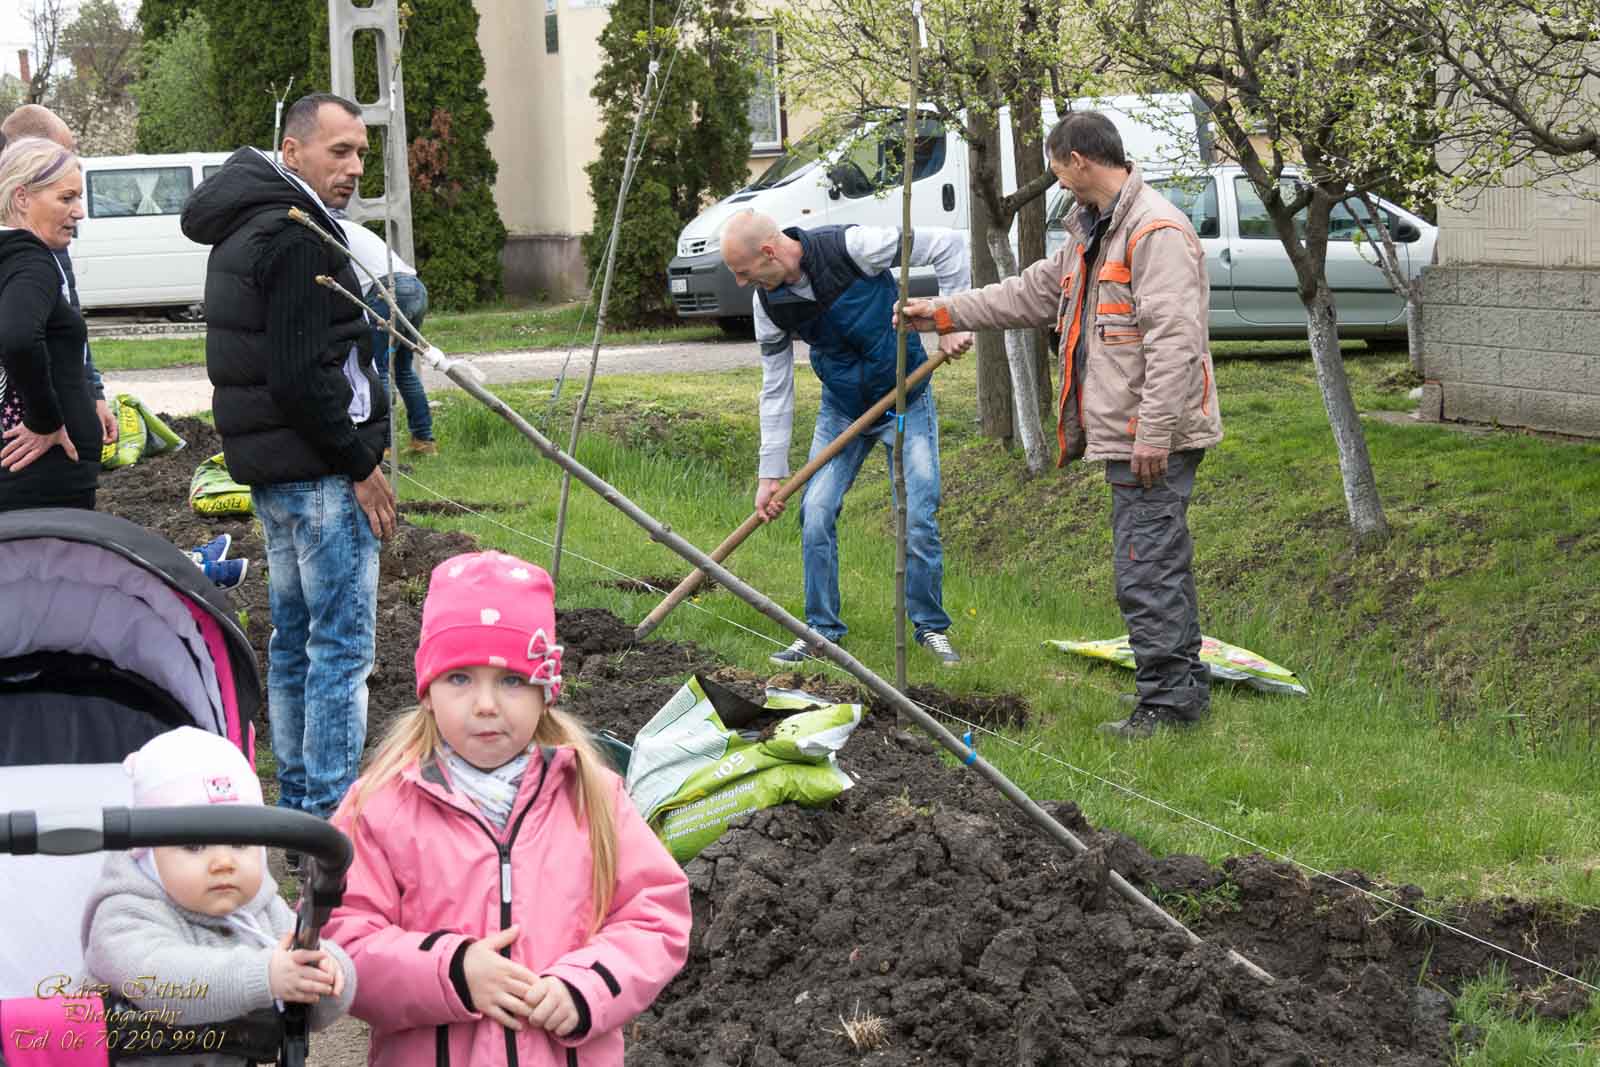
x=442 y=1055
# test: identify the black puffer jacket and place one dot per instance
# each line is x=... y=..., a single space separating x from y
x=42 y=382
x=276 y=342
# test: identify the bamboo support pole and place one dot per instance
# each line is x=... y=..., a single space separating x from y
x=902 y=704
x=692 y=581
x=630 y=161
x=393 y=377
x=902 y=337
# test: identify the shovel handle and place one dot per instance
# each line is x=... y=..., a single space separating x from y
x=693 y=580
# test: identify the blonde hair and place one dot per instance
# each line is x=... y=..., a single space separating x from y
x=415 y=737
x=30 y=163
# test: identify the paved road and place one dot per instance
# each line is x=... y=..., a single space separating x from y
x=185 y=390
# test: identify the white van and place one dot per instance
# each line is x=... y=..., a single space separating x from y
x=129 y=251
x=861 y=185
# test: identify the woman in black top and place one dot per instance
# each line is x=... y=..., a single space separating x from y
x=51 y=451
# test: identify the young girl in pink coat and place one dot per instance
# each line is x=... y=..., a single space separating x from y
x=507 y=904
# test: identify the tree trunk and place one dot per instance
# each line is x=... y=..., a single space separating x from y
x=1355 y=465
x=1027 y=136
x=994 y=370
x=1022 y=356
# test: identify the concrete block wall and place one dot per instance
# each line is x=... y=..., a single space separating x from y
x=1513 y=346
x=549 y=266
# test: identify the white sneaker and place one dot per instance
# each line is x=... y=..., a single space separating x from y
x=939 y=645
x=798 y=652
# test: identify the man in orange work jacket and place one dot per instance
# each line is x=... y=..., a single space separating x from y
x=1128 y=292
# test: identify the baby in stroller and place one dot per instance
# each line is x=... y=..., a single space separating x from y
x=199 y=933
x=110 y=639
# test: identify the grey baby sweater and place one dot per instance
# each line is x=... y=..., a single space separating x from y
x=138 y=941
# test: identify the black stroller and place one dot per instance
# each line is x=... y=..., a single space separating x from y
x=109 y=636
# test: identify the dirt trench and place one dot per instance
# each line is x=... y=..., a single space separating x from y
x=922 y=900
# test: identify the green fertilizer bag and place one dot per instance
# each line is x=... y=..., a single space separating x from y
x=212 y=490
x=1223 y=661
x=710 y=755
x=140 y=433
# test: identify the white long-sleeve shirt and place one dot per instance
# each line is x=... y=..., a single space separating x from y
x=875 y=249
x=368 y=249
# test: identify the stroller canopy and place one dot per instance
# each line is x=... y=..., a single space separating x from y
x=109 y=636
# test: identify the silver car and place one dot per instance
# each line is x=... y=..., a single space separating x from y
x=1253 y=290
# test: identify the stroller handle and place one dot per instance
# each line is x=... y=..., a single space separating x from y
x=72 y=833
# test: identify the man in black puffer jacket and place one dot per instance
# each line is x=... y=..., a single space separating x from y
x=304 y=423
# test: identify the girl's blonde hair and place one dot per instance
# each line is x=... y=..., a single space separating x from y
x=30 y=163
x=415 y=737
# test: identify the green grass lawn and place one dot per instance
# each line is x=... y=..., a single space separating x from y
x=1496 y=1027
x=502 y=328
x=1448 y=740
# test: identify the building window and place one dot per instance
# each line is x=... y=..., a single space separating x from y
x=552 y=39
x=766 y=104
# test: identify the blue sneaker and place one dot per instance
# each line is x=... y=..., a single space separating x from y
x=226 y=573
x=213 y=551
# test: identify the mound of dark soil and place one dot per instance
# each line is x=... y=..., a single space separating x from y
x=922 y=900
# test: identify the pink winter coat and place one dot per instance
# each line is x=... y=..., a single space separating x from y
x=431 y=875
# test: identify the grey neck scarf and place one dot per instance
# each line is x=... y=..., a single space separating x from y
x=492 y=792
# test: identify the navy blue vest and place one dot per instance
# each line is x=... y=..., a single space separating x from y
x=848 y=322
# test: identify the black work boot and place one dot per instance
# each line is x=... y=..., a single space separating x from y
x=1142 y=723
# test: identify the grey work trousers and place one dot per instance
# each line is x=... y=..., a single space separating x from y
x=1155 y=585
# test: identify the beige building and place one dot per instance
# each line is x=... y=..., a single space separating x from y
x=541 y=61
x=1511 y=319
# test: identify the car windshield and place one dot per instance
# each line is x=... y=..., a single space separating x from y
x=800 y=156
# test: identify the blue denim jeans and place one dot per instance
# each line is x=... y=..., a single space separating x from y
x=322 y=570
x=824 y=498
x=412 y=297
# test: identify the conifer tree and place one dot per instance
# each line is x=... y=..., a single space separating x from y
x=256 y=46
x=694 y=149
x=454 y=220
x=157 y=18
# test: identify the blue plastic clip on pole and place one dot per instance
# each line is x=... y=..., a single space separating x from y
x=972 y=751
x=900 y=423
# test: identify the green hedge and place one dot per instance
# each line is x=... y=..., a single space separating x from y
x=454 y=220
x=698 y=142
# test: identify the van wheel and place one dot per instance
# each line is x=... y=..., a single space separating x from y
x=187 y=313
x=742 y=327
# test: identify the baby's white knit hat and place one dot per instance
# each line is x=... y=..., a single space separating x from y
x=190 y=766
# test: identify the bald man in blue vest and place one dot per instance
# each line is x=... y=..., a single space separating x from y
x=835 y=288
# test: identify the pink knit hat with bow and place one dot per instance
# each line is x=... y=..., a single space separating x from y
x=488 y=609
